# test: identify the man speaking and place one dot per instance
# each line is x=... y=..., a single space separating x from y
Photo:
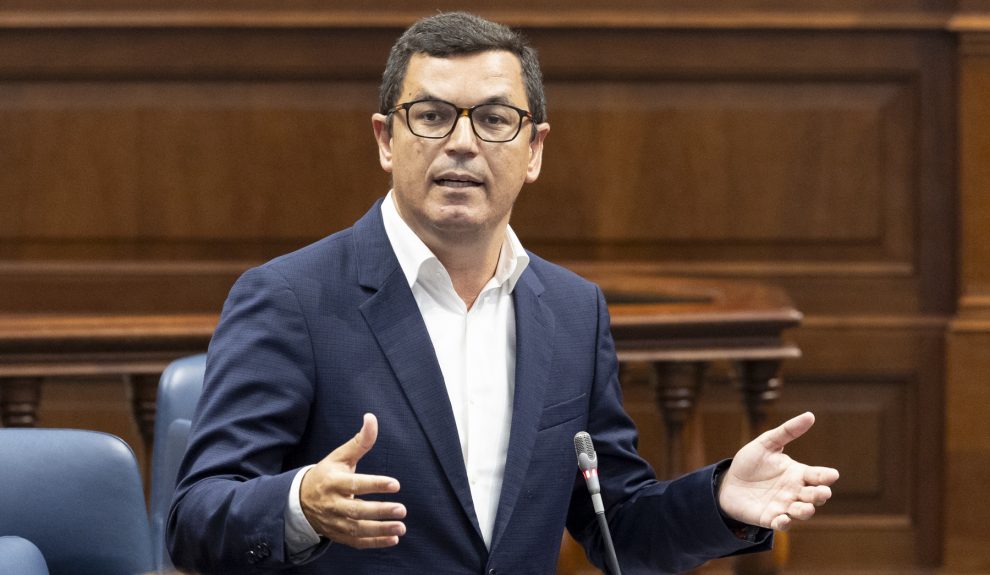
x=402 y=396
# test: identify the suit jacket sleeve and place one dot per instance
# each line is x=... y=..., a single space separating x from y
x=228 y=511
x=657 y=526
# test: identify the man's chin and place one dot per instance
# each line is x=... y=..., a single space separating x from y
x=462 y=225
x=458 y=226
x=458 y=217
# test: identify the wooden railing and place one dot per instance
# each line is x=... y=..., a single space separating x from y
x=35 y=348
x=676 y=327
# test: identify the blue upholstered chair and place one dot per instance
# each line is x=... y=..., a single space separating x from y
x=18 y=556
x=178 y=392
x=77 y=495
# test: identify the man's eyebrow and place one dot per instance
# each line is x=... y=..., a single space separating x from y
x=496 y=99
x=423 y=96
x=500 y=100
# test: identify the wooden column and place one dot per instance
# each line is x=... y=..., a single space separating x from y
x=759 y=383
x=678 y=387
x=19 y=400
x=144 y=392
x=967 y=393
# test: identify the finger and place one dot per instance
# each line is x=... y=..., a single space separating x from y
x=776 y=438
x=349 y=519
x=821 y=475
x=373 y=542
x=781 y=523
x=359 y=484
x=344 y=530
x=815 y=494
x=362 y=442
x=358 y=509
x=800 y=510
x=366 y=542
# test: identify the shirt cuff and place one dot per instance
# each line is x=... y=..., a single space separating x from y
x=301 y=540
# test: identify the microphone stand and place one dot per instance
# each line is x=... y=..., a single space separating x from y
x=610 y=558
x=584 y=448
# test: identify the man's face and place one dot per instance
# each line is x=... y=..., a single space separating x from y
x=459 y=188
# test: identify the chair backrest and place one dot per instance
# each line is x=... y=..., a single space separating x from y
x=77 y=495
x=178 y=393
x=18 y=556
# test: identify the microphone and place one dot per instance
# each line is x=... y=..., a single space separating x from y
x=588 y=463
x=587 y=459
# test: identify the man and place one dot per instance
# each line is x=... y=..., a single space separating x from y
x=465 y=363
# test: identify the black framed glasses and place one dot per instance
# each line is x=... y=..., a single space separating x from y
x=436 y=119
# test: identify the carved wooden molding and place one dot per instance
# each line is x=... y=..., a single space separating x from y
x=83 y=345
x=571 y=18
x=969 y=22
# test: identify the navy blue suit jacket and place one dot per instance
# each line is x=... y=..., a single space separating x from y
x=311 y=341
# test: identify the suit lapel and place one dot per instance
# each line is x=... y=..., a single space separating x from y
x=394 y=318
x=534 y=349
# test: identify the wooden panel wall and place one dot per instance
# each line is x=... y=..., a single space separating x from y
x=150 y=151
x=967 y=392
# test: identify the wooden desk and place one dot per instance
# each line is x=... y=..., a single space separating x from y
x=681 y=326
x=135 y=347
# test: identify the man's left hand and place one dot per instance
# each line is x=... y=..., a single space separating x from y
x=763 y=486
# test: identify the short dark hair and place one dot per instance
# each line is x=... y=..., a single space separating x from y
x=457 y=33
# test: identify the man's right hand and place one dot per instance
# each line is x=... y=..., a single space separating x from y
x=329 y=495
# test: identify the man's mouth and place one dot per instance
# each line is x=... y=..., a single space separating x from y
x=457 y=181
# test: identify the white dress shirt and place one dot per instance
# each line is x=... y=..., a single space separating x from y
x=476 y=351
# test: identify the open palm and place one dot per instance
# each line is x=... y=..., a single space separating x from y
x=764 y=486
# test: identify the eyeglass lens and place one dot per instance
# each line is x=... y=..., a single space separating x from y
x=436 y=119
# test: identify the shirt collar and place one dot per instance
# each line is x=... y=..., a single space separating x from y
x=413 y=254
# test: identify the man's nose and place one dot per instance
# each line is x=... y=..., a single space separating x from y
x=463 y=137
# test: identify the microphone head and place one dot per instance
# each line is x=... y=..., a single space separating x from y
x=585 y=451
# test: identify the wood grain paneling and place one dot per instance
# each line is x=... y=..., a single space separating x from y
x=875 y=394
x=784 y=153
x=727 y=163
x=975 y=170
x=967 y=451
x=161 y=162
x=881 y=360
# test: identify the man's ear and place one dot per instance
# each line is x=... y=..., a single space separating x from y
x=536 y=152
x=383 y=135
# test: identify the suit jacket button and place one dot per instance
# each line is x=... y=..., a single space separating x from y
x=252 y=557
x=492 y=572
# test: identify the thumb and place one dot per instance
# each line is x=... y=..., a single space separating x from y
x=776 y=438
x=362 y=442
